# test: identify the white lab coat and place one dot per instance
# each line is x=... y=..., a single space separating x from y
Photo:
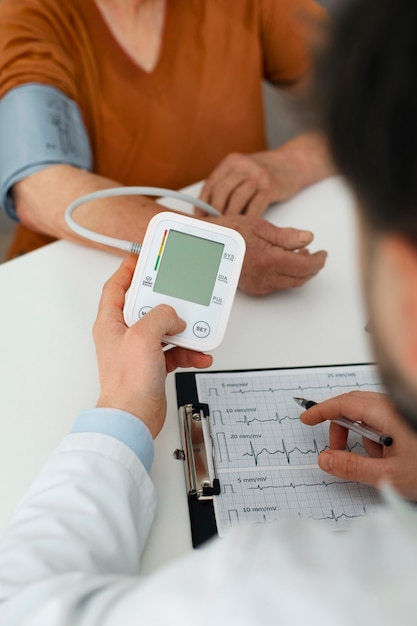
x=70 y=556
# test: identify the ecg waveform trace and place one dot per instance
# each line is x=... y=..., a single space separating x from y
x=301 y=388
x=288 y=453
x=276 y=418
x=300 y=493
x=320 y=483
x=266 y=458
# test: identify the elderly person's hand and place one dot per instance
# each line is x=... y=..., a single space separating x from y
x=276 y=258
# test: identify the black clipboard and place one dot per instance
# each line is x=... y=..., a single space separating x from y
x=200 y=489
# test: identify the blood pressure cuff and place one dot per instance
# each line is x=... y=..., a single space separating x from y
x=39 y=126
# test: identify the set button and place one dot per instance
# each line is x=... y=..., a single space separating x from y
x=201 y=329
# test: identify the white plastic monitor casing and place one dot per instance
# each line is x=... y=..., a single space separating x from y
x=201 y=258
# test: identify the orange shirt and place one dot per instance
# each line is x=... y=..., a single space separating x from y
x=203 y=100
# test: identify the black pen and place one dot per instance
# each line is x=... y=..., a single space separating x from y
x=356 y=427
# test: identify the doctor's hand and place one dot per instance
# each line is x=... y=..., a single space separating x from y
x=396 y=464
x=132 y=364
x=276 y=258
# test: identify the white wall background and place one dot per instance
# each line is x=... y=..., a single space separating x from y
x=281 y=124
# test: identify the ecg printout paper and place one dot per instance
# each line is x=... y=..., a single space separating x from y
x=266 y=459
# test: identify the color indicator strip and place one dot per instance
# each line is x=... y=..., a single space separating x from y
x=160 y=250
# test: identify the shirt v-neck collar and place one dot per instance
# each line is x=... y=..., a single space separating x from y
x=126 y=67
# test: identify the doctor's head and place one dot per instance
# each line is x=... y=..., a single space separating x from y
x=366 y=91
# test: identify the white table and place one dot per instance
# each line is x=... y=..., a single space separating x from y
x=47 y=361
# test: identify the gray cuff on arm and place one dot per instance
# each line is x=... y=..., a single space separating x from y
x=39 y=126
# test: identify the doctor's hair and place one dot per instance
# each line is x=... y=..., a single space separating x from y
x=365 y=96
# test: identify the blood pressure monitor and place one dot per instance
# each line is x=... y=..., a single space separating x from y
x=192 y=265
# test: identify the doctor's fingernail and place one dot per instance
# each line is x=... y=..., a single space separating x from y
x=305 y=236
x=326 y=461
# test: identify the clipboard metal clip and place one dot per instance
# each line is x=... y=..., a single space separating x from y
x=193 y=453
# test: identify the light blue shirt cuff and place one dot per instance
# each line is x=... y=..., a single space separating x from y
x=120 y=425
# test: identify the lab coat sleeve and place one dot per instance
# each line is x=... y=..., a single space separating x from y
x=79 y=531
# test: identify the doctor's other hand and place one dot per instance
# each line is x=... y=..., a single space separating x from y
x=396 y=464
x=131 y=361
x=276 y=258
